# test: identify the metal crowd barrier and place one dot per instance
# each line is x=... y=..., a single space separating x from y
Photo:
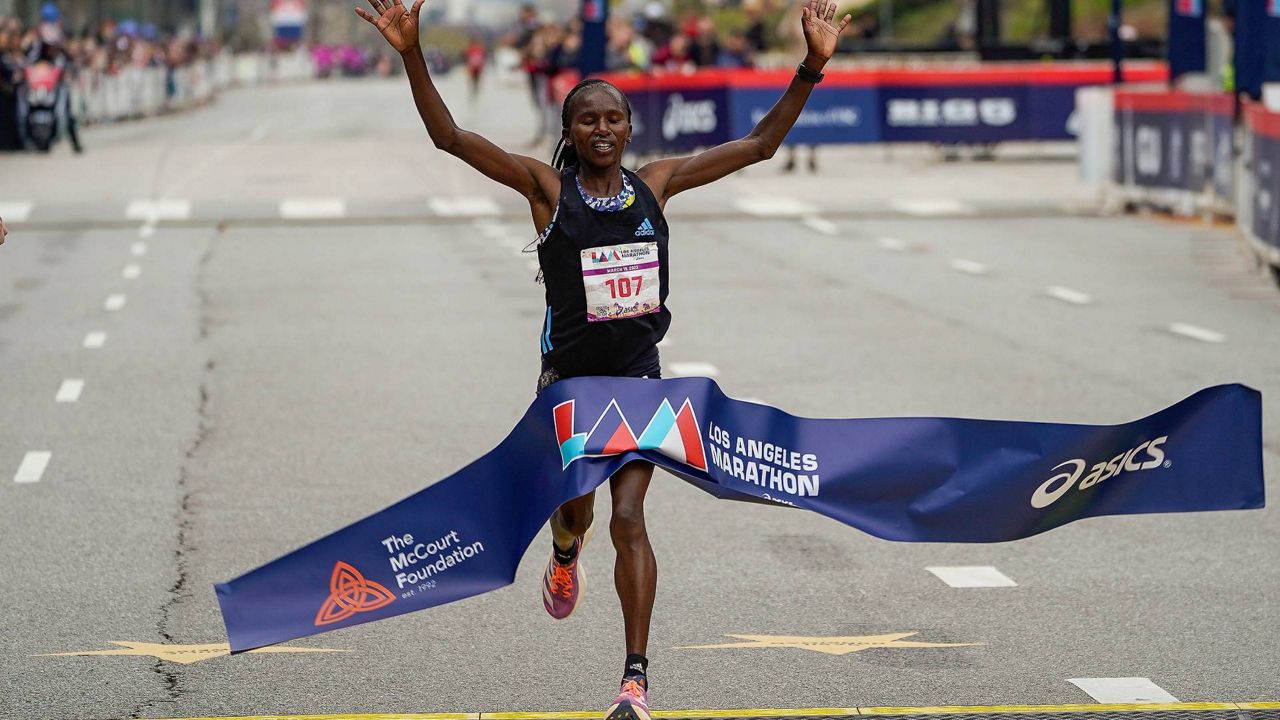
x=1176 y=151
x=147 y=91
x=1259 y=208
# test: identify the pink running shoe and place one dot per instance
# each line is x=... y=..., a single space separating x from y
x=563 y=585
x=632 y=703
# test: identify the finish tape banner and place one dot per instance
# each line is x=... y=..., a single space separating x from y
x=905 y=479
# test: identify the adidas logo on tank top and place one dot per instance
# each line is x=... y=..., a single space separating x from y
x=646 y=228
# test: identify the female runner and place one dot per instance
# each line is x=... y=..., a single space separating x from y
x=594 y=218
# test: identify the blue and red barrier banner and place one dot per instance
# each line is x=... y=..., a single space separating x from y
x=1175 y=140
x=1263 y=128
x=902 y=479
x=936 y=104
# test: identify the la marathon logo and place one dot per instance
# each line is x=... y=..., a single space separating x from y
x=350 y=592
x=674 y=434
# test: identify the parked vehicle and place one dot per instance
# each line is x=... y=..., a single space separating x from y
x=42 y=89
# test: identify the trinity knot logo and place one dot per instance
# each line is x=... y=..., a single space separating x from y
x=350 y=593
x=674 y=434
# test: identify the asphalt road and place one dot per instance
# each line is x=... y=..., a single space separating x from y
x=269 y=379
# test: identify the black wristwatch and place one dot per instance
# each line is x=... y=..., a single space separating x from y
x=808 y=75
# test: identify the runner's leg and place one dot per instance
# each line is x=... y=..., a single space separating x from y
x=571 y=521
x=635 y=573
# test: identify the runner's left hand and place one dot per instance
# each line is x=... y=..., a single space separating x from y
x=819 y=32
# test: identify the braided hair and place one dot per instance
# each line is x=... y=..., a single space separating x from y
x=566 y=155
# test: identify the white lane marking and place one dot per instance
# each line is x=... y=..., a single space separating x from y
x=932 y=207
x=70 y=390
x=821 y=225
x=463 y=206
x=95 y=339
x=971 y=267
x=32 y=467
x=1197 y=333
x=138 y=249
x=774 y=207
x=155 y=210
x=16 y=211
x=972 y=576
x=131 y=271
x=147 y=230
x=114 y=302
x=892 y=244
x=312 y=208
x=694 y=369
x=1123 y=690
x=1067 y=295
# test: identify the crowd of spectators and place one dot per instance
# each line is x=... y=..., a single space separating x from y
x=104 y=49
x=649 y=41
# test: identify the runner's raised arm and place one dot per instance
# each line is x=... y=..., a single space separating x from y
x=674 y=175
x=535 y=180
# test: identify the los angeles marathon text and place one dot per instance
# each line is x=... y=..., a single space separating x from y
x=761 y=463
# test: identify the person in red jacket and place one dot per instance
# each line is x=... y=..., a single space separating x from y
x=476 y=57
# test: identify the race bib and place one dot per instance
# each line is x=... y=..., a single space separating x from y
x=621 y=281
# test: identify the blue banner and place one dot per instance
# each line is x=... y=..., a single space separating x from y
x=1053 y=112
x=1186 y=38
x=958 y=114
x=686 y=119
x=832 y=115
x=1251 y=34
x=594 y=15
x=905 y=479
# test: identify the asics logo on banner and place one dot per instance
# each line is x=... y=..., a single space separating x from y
x=1130 y=461
x=688 y=118
x=350 y=593
x=646 y=228
x=671 y=433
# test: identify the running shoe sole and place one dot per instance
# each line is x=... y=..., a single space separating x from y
x=626 y=711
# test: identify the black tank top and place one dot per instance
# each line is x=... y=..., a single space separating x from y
x=614 y=257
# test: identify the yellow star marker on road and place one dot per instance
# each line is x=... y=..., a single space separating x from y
x=841 y=645
x=184 y=654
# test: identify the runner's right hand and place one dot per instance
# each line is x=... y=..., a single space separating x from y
x=398 y=25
